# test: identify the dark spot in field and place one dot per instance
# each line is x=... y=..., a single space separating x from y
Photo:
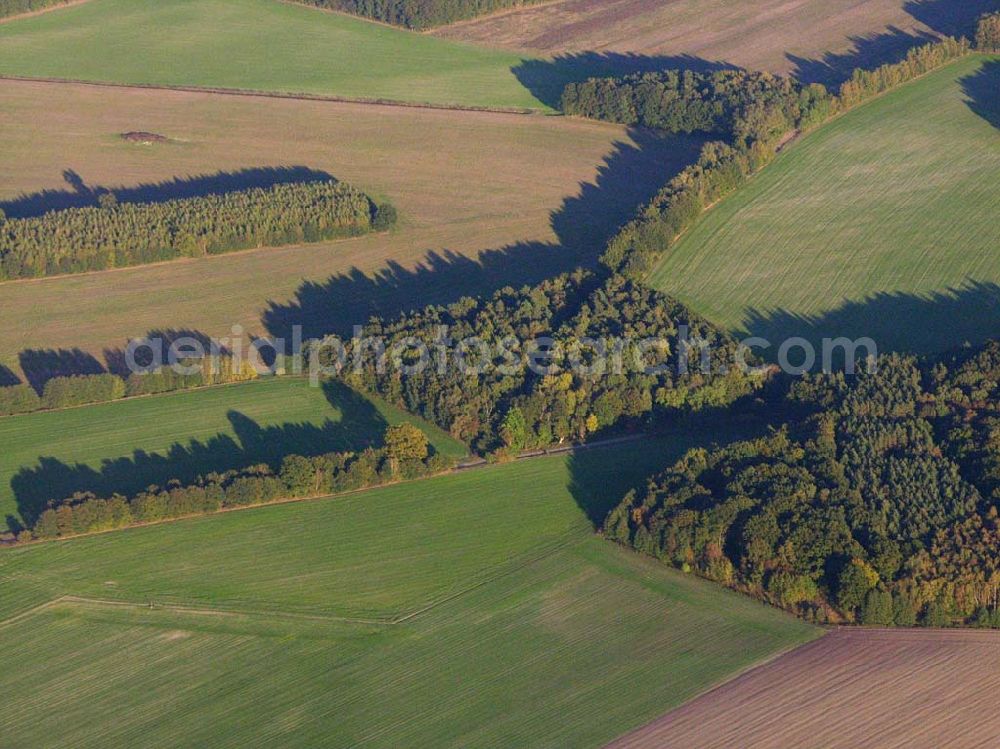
x=146 y=139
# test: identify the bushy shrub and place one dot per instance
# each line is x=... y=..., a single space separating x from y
x=385 y=217
x=78 y=390
x=988 y=33
x=18 y=399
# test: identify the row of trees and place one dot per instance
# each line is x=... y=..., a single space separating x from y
x=419 y=14
x=405 y=454
x=877 y=503
x=78 y=390
x=754 y=111
x=573 y=389
x=113 y=235
x=864 y=84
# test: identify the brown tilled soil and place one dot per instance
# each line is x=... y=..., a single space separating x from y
x=853 y=688
x=764 y=34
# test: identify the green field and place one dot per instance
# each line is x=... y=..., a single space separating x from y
x=261 y=45
x=127 y=445
x=476 y=609
x=882 y=223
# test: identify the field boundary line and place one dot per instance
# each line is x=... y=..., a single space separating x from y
x=200 y=610
x=222 y=611
x=295 y=96
x=760 y=663
x=31 y=611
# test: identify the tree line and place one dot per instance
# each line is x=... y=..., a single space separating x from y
x=78 y=390
x=114 y=235
x=877 y=502
x=406 y=454
x=418 y=14
x=753 y=111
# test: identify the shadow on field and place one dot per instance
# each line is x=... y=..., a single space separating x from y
x=629 y=177
x=360 y=425
x=8 y=377
x=948 y=17
x=41 y=365
x=546 y=79
x=983 y=91
x=80 y=194
x=600 y=477
x=161 y=341
x=941 y=17
x=868 y=52
x=895 y=321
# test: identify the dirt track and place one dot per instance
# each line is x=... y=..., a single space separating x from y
x=853 y=688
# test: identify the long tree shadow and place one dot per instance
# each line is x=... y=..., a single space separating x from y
x=79 y=194
x=912 y=323
x=983 y=91
x=948 y=17
x=547 y=78
x=41 y=365
x=155 y=348
x=832 y=69
x=630 y=176
x=360 y=425
x=941 y=17
x=600 y=477
x=8 y=377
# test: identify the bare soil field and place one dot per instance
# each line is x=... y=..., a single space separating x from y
x=484 y=199
x=852 y=688
x=803 y=36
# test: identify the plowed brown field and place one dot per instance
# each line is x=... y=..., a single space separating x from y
x=765 y=34
x=854 y=689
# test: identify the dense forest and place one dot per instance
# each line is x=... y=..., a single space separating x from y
x=114 y=235
x=574 y=389
x=419 y=14
x=738 y=104
x=405 y=454
x=876 y=502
